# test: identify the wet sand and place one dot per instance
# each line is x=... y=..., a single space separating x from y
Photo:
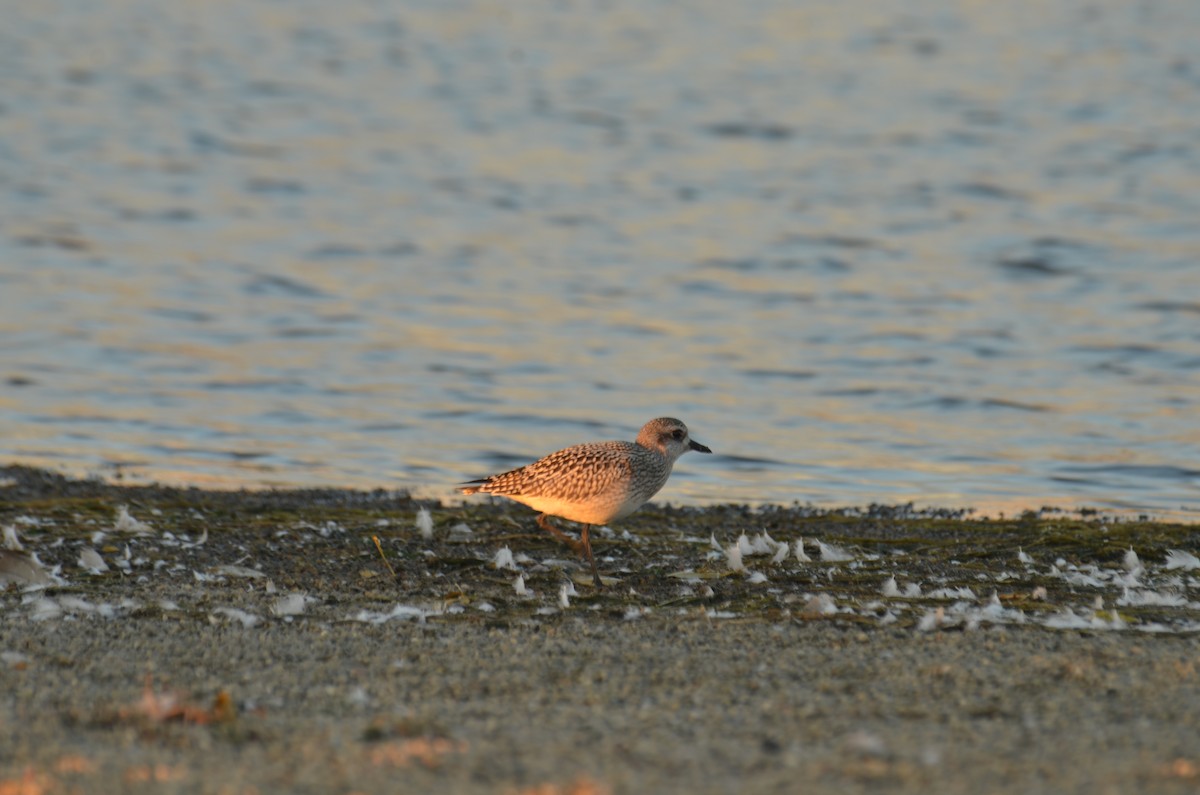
x=196 y=666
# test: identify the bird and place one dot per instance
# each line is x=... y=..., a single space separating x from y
x=594 y=483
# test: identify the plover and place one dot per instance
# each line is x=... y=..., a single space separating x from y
x=594 y=483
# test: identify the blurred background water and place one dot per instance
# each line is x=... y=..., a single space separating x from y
x=946 y=252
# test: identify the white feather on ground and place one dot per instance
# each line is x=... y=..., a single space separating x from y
x=425 y=524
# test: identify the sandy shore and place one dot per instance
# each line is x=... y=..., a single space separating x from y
x=259 y=643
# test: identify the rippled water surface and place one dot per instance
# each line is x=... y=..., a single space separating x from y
x=941 y=252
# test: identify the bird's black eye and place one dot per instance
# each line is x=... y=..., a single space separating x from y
x=677 y=435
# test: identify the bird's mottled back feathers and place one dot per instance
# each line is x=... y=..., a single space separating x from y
x=574 y=474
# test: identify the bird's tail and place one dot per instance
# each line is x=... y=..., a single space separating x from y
x=472 y=486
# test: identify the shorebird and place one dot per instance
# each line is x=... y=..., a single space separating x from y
x=594 y=483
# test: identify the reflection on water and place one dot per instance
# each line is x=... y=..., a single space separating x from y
x=945 y=255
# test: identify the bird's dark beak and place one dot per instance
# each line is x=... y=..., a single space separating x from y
x=699 y=448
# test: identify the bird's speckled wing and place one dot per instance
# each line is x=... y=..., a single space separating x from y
x=575 y=474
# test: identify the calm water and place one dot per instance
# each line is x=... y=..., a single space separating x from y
x=941 y=252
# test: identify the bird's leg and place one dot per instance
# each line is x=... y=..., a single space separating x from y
x=587 y=549
x=581 y=547
x=559 y=534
